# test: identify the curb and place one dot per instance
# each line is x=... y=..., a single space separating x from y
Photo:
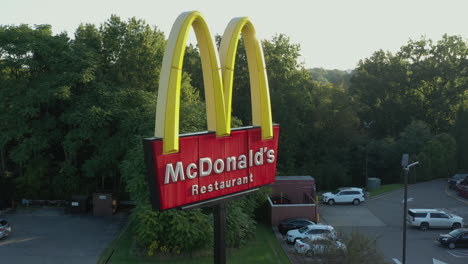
x=454 y=196
x=281 y=240
x=106 y=254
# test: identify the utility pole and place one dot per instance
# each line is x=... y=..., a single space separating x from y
x=406 y=167
x=405 y=209
x=367 y=126
x=367 y=176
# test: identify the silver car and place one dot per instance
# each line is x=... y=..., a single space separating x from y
x=5 y=228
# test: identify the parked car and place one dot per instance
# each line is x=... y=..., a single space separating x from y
x=456 y=238
x=311 y=231
x=5 y=228
x=433 y=218
x=456 y=180
x=319 y=247
x=293 y=223
x=344 y=195
x=462 y=190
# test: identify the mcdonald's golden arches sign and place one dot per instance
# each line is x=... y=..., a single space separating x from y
x=192 y=168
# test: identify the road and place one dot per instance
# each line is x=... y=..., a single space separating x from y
x=48 y=236
x=382 y=218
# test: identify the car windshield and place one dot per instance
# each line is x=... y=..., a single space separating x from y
x=336 y=191
x=459 y=176
x=3 y=222
x=303 y=229
x=455 y=233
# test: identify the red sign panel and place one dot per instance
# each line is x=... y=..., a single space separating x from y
x=208 y=166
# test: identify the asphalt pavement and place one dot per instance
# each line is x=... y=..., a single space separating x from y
x=49 y=236
x=384 y=221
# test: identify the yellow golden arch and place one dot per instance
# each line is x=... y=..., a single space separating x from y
x=217 y=80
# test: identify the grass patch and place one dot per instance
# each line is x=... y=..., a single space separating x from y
x=264 y=248
x=386 y=188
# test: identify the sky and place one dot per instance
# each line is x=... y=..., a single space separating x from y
x=333 y=34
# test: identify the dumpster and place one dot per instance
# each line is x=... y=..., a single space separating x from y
x=78 y=204
x=373 y=183
x=102 y=204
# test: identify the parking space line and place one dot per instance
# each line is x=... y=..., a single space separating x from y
x=453 y=254
x=408 y=200
x=13 y=241
x=458 y=253
x=436 y=261
x=396 y=261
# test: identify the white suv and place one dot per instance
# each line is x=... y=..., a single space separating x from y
x=344 y=195
x=428 y=218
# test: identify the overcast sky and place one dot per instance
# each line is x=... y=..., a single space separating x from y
x=333 y=34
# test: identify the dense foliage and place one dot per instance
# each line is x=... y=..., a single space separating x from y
x=73 y=113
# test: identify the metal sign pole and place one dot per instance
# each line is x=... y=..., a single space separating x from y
x=406 y=168
x=219 y=218
x=405 y=208
x=220 y=233
x=404 y=164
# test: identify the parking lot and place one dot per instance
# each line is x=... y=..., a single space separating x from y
x=48 y=235
x=382 y=218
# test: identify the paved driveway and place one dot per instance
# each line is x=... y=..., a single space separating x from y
x=48 y=236
x=348 y=215
x=385 y=215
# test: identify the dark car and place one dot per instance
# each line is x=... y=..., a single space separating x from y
x=462 y=190
x=5 y=228
x=456 y=238
x=293 y=223
x=456 y=179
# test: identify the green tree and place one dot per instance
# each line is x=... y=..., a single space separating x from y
x=437 y=158
x=423 y=81
x=460 y=134
x=437 y=78
x=37 y=73
x=380 y=86
x=384 y=160
x=113 y=102
x=335 y=77
x=414 y=137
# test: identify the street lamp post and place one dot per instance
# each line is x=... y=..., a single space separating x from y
x=406 y=168
x=367 y=126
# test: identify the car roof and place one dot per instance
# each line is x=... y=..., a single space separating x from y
x=296 y=219
x=350 y=188
x=426 y=210
x=320 y=226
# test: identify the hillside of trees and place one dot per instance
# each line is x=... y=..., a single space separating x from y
x=73 y=112
x=335 y=77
